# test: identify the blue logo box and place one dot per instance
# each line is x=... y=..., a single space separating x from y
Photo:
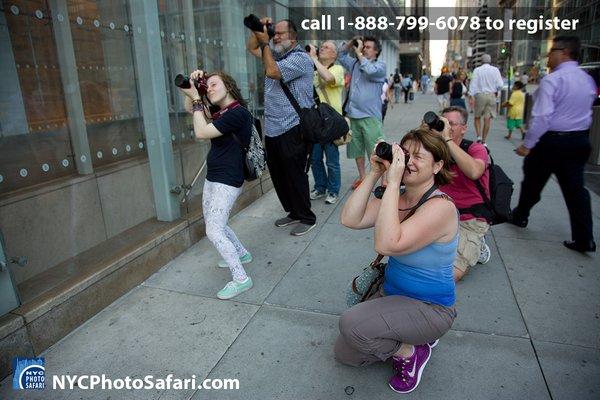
x=29 y=373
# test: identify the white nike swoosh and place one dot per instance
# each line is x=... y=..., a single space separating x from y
x=412 y=372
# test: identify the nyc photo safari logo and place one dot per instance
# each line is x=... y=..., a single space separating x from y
x=29 y=373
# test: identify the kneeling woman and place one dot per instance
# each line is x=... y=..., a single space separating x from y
x=225 y=171
x=414 y=306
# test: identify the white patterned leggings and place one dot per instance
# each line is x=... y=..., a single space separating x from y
x=217 y=201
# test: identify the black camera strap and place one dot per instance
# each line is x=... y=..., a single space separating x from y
x=349 y=87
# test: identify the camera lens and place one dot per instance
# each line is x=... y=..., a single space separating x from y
x=433 y=121
x=182 y=81
x=383 y=150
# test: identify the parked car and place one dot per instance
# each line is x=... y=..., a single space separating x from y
x=593 y=68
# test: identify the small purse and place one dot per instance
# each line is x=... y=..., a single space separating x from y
x=367 y=283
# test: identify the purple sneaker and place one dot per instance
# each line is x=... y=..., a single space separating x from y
x=431 y=344
x=409 y=370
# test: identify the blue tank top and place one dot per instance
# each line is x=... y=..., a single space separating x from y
x=426 y=274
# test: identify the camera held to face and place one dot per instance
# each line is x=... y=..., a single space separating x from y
x=183 y=82
x=383 y=150
x=307 y=48
x=433 y=121
x=354 y=41
x=253 y=23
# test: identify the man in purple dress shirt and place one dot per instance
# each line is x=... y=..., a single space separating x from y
x=557 y=141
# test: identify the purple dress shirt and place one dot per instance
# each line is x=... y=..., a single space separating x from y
x=563 y=102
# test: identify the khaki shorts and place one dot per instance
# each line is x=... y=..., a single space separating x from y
x=469 y=243
x=365 y=134
x=485 y=105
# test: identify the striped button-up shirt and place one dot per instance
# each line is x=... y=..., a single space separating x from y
x=297 y=73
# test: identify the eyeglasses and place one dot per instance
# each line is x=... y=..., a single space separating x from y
x=452 y=123
x=554 y=49
x=281 y=33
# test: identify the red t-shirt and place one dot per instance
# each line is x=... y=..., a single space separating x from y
x=463 y=190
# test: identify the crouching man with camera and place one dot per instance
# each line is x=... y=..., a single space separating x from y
x=286 y=63
x=471 y=176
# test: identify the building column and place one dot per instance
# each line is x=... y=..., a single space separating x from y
x=13 y=118
x=71 y=89
x=153 y=103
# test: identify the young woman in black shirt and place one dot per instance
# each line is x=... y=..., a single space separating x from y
x=225 y=173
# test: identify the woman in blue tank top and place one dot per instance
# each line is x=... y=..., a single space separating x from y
x=415 y=305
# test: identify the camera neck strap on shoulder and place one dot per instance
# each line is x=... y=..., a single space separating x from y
x=233 y=105
x=422 y=200
x=426 y=197
x=349 y=87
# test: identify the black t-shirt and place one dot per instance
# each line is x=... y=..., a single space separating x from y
x=225 y=158
x=443 y=84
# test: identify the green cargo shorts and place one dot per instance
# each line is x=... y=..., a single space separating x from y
x=365 y=134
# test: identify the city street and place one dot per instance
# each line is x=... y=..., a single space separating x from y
x=528 y=324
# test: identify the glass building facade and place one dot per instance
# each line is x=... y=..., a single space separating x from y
x=94 y=139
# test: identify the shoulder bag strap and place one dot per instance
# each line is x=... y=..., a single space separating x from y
x=464 y=145
x=291 y=97
x=323 y=86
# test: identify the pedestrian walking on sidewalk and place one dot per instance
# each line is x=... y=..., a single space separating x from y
x=442 y=88
x=225 y=167
x=516 y=108
x=557 y=141
x=418 y=230
x=407 y=87
x=484 y=87
x=329 y=83
x=424 y=83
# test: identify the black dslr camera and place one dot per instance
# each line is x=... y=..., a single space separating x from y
x=383 y=150
x=253 y=23
x=183 y=82
x=433 y=121
x=307 y=48
x=355 y=41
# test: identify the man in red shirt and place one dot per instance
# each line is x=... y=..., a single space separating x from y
x=469 y=166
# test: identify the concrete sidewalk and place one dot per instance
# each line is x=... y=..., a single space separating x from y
x=528 y=324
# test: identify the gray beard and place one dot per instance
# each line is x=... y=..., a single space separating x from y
x=279 y=50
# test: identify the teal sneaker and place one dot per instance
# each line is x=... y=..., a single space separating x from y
x=245 y=259
x=234 y=288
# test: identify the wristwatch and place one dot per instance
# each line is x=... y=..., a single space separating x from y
x=197 y=105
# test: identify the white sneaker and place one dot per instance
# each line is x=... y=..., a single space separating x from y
x=484 y=253
x=315 y=194
x=332 y=198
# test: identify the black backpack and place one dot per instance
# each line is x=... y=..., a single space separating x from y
x=495 y=209
x=396 y=78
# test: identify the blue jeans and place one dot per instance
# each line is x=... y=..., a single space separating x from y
x=330 y=181
x=397 y=93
